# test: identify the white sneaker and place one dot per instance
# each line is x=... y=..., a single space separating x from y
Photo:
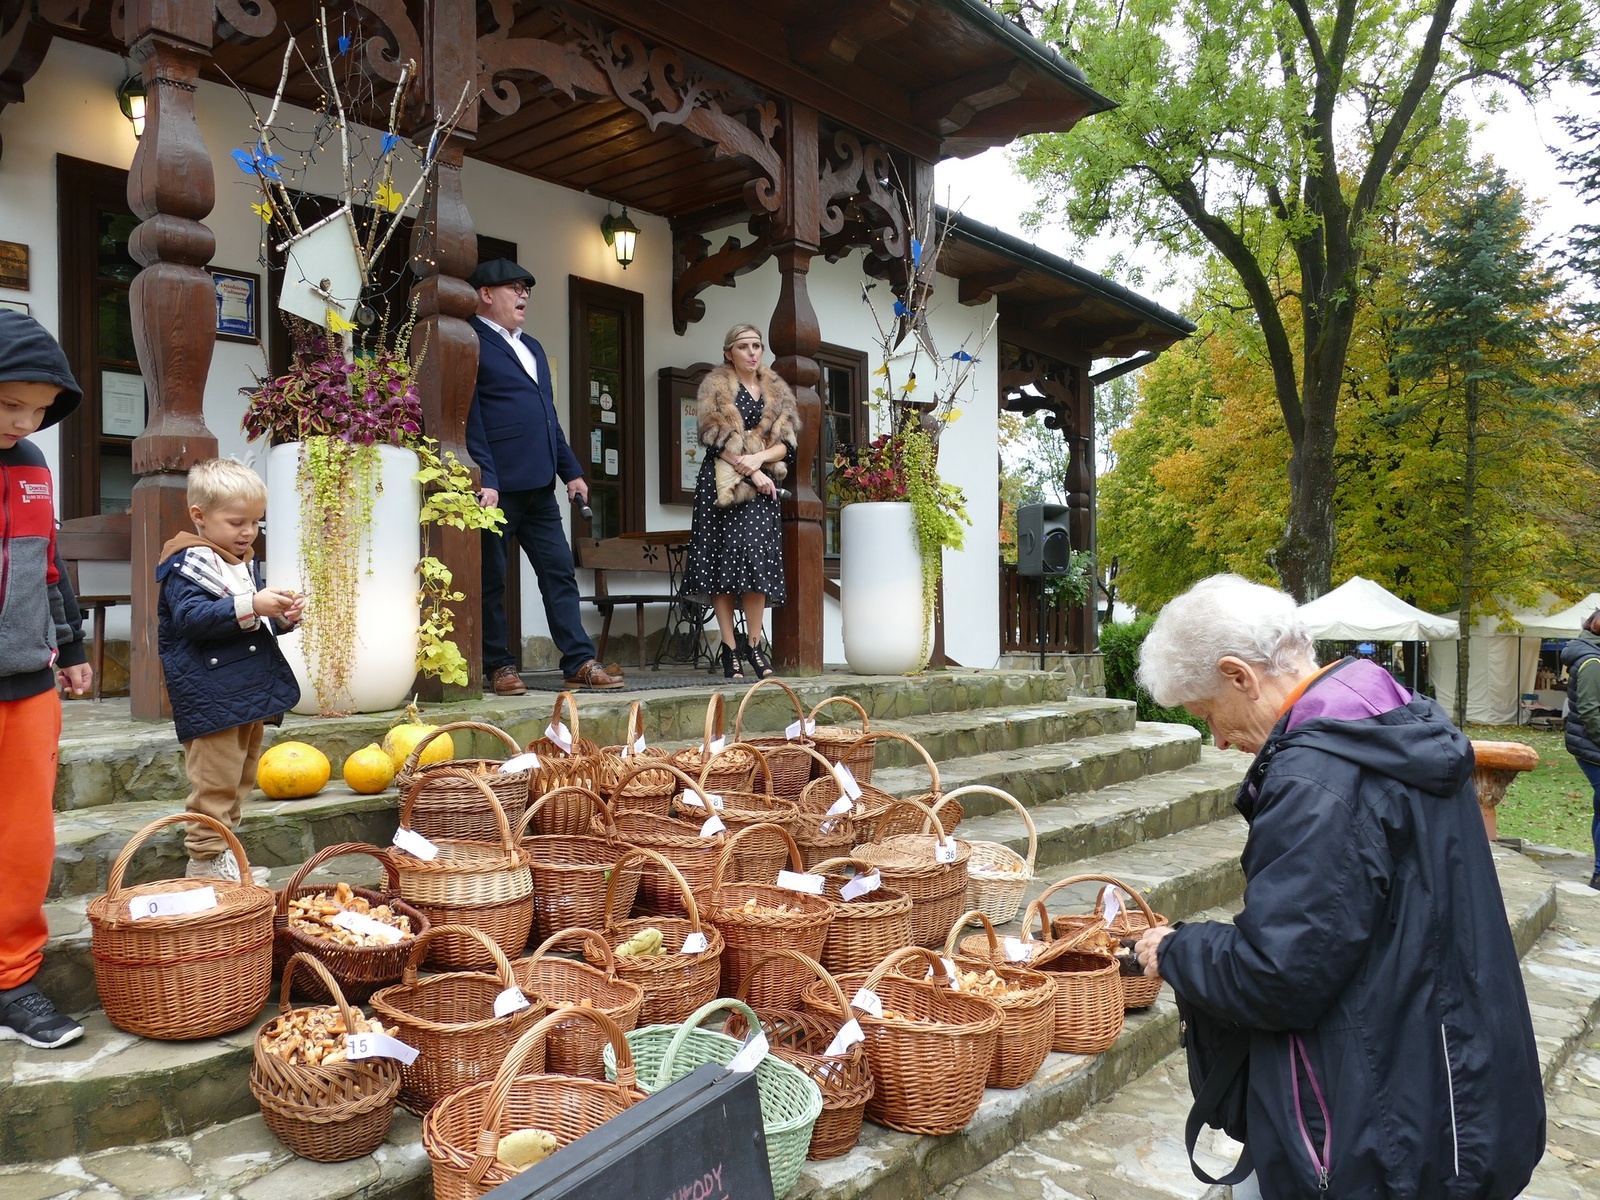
x=224 y=866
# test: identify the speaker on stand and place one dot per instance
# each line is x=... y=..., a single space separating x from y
x=1044 y=548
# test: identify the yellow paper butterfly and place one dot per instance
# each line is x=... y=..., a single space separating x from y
x=337 y=324
x=264 y=211
x=389 y=198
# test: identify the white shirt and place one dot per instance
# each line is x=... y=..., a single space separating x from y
x=524 y=355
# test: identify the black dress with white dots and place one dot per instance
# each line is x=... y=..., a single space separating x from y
x=736 y=549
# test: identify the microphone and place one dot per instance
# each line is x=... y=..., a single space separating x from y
x=584 y=510
x=785 y=494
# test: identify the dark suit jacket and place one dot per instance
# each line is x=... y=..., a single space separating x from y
x=512 y=429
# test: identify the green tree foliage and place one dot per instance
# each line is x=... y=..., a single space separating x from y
x=1119 y=643
x=1582 y=164
x=1275 y=133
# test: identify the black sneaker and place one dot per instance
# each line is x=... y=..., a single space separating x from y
x=27 y=1015
x=1595 y=882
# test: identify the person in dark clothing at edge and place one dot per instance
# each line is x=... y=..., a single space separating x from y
x=1392 y=1053
x=1581 y=657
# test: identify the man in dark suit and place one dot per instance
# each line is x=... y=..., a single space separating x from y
x=516 y=438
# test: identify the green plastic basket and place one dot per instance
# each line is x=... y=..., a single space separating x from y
x=790 y=1103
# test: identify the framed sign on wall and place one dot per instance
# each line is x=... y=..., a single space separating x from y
x=238 y=305
x=681 y=451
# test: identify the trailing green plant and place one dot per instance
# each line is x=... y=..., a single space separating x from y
x=449 y=498
x=1073 y=586
x=1119 y=648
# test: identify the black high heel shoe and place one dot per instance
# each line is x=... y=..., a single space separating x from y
x=756 y=655
x=730 y=662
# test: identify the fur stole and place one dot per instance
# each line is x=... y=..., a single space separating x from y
x=722 y=428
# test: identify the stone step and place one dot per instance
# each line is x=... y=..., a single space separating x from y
x=109 y=758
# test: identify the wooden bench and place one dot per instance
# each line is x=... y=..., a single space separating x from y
x=636 y=552
x=106 y=538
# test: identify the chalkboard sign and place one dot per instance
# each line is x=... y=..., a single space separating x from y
x=697 y=1139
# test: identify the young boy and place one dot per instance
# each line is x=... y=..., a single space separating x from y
x=39 y=642
x=226 y=676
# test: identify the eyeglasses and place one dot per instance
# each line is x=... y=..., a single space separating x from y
x=519 y=289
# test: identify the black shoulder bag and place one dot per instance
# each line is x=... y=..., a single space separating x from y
x=1219 y=1079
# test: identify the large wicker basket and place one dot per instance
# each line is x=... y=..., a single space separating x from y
x=570 y=873
x=679 y=842
x=1089 y=1000
x=744 y=807
x=450 y=1020
x=1030 y=1008
x=445 y=805
x=648 y=791
x=997 y=876
x=573 y=1047
x=733 y=772
x=867 y=928
x=462 y=1133
x=1138 y=991
x=908 y=863
x=487 y=886
x=843 y=743
x=360 y=970
x=560 y=766
x=327 y=1113
x=186 y=976
x=821 y=834
x=788 y=762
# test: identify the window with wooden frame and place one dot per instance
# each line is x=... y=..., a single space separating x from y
x=605 y=405
x=843 y=391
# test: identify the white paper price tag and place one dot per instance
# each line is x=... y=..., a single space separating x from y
x=173 y=904
x=944 y=852
x=717 y=744
x=840 y=806
x=1110 y=904
x=849 y=1034
x=750 y=1054
x=794 y=881
x=713 y=826
x=414 y=844
x=695 y=943
x=868 y=1002
x=520 y=762
x=638 y=744
x=847 y=781
x=827 y=827
x=509 y=1001
x=860 y=886
x=950 y=973
x=1017 y=950
x=798 y=729
x=379 y=1045
x=360 y=923
x=560 y=735
x=711 y=798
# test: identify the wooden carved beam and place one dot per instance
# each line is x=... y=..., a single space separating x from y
x=841 y=31
x=953 y=104
x=1113 y=336
x=1031 y=382
x=859 y=206
x=1047 y=314
x=981 y=287
x=695 y=268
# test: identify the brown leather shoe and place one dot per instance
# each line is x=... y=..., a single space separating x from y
x=506 y=682
x=594 y=677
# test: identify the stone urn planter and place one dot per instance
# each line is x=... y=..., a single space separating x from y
x=1496 y=765
x=880 y=588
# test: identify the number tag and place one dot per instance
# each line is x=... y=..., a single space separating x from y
x=638 y=744
x=509 y=1001
x=558 y=733
x=379 y=1045
x=840 y=806
x=716 y=745
x=797 y=730
x=359 y=923
x=847 y=781
x=1018 y=950
x=849 y=1034
x=414 y=844
x=868 y=1002
x=794 y=881
x=950 y=972
x=690 y=798
x=750 y=1054
x=695 y=943
x=944 y=852
x=520 y=762
x=173 y=904
x=713 y=826
x=1110 y=904
x=860 y=886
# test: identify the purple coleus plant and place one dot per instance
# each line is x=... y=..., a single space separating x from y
x=368 y=400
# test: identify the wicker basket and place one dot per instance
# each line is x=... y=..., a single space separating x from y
x=445 y=806
x=733 y=772
x=1138 y=991
x=560 y=766
x=868 y=928
x=788 y=762
x=326 y=1113
x=997 y=876
x=1089 y=1003
x=677 y=841
x=463 y=1131
x=192 y=975
x=928 y=1072
x=821 y=794
x=743 y=808
x=842 y=743
x=573 y=1047
x=486 y=886
x=790 y=1101
x=938 y=890
x=802 y=1040
x=450 y=1020
x=674 y=983
x=359 y=970
x=751 y=935
x=570 y=874
x=648 y=791
x=822 y=835
x=1030 y=1009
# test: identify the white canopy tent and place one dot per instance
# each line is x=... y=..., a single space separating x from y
x=1504 y=659
x=1360 y=610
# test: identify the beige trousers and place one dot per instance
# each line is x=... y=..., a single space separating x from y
x=222 y=770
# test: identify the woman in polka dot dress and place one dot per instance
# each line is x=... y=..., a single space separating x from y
x=749 y=422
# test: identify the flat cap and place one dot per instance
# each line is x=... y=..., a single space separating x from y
x=498 y=271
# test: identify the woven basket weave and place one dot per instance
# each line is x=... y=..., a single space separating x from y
x=866 y=929
x=733 y=772
x=1029 y=1028
x=570 y=873
x=1089 y=999
x=677 y=841
x=997 y=876
x=447 y=807
x=787 y=759
x=1138 y=991
x=648 y=791
x=843 y=743
x=560 y=766
x=573 y=1047
x=938 y=890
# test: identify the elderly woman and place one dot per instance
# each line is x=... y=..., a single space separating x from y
x=1391 y=1052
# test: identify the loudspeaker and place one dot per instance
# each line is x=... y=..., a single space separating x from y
x=1044 y=546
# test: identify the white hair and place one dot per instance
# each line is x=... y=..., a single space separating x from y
x=1220 y=616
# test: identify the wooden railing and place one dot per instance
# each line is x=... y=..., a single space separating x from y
x=1019 y=618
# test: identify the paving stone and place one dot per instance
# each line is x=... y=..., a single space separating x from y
x=141 y=1172
x=32 y=1184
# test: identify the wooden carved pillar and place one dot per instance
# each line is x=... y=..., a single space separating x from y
x=173 y=301
x=444 y=250
x=1079 y=433
x=795 y=337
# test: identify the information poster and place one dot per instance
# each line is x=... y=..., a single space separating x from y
x=689 y=437
x=122 y=411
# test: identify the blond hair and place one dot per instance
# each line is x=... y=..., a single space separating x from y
x=220 y=481
x=737 y=332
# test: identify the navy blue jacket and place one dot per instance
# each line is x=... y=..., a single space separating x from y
x=219 y=676
x=1581 y=657
x=1374 y=939
x=513 y=432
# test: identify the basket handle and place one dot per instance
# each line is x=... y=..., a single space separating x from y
x=301 y=958
x=124 y=856
x=862 y=866
x=866 y=725
x=770 y=681
x=1022 y=811
x=571 y=702
x=796 y=859
x=598 y=801
x=809 y=964
x=507 y=842
x=677 y=875
x=635 y=729
x=961 y=923
x=419 y=948
x=766 y=769
x=1149 y=916
x=337 y=851
x=927 y=812
x=927 y=759
x=714 y=721
x=664 y=1074
x=659 y=764
x=896 y=957
x=511 y=1067
x=415 y=756
x=577 y=933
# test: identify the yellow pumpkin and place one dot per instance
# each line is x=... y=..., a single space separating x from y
x=368 y=770
x=292 y=771
x=400 y=741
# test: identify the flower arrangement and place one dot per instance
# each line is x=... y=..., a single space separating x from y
x=365 y=400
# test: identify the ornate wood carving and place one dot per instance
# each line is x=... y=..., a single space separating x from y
x=841 y=31
x=695 y=268
x=1031 y=382
x=393 y=41
x=245 y=20
x=980 y=288
x=859 y=206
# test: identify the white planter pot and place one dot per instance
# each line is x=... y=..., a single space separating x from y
x=384 y=623
x=880 y=589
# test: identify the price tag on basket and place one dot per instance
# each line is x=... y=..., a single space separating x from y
x=1017 y=950
x=798 y=729
x=360 y=923
x=1110 y=904
x=414 y=844
x=690 y=798
x=509 y=1001
x=520 y=762
x=750 y=1054
x=868 y=1002
x=560 y=735
x=172 y=904
x=695 y=943
x=840 y=806
x=849 y=1034
x=716 y=745
x=860 y=886
x=944 y=852
x=950 y=972
x=794 y=881
x=379 y=1045
x=847 y=781
x=638 y=744
x=713 y=826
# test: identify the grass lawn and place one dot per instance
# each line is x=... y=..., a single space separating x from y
x=1553 y=803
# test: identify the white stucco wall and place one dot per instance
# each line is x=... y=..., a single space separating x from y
x=71 y=109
